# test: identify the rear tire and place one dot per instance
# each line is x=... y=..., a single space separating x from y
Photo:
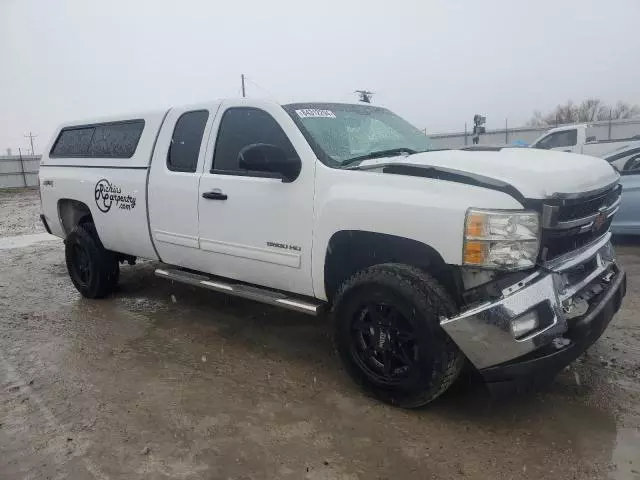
x=388 y=334
x=93 y=269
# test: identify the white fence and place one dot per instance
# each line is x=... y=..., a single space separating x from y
x=19 y=171
x=602 y=130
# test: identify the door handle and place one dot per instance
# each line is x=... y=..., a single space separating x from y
x=214 y=195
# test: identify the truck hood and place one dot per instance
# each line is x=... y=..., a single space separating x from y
x=536 y=174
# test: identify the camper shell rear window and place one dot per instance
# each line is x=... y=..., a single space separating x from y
x=99 y=140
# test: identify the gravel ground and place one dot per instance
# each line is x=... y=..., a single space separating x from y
x=19 y=211
x=166 y=381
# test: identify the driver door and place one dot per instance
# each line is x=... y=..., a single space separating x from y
x=254 y=227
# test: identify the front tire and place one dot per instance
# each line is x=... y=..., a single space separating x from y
x=388 y=334
x=93 y=269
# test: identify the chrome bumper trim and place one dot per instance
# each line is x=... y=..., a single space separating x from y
x=484 y=332
x=572 y=259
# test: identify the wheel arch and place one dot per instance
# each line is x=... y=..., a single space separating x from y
x=72 y=213
x=349 y=251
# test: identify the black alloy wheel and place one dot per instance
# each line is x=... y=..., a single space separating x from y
x=384 y=344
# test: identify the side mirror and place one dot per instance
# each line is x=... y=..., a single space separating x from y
x=263 y=157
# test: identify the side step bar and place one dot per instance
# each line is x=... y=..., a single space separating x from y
x=258 y=294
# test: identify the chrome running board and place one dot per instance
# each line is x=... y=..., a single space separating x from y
x=250 y=292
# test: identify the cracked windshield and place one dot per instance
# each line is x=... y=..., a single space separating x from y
x=346 y=133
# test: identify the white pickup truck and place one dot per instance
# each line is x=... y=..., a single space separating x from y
x=429 y=260
x=581 y=139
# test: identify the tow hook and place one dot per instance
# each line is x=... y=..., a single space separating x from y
x=607 y=277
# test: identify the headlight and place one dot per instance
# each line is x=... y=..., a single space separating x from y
x=501 y=239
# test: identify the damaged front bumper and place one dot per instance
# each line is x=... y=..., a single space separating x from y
x=568 y=302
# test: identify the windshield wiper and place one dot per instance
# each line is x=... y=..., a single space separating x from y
x=378 y=154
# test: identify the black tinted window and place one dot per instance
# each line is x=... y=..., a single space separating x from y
x=186 y=141
x=72 y=142
x=245 y=126
x=104 y=140
x=116 y=140
x=632 y=165
x=567 y=138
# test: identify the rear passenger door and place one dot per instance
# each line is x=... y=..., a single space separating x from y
x=177 y=164
x=253 y=226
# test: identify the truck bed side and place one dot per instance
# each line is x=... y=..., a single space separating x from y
x=111 y=190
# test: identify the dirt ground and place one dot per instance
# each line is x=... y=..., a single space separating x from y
x=19 y=211
x=167 y=381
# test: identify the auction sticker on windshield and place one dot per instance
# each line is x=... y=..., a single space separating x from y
x=315 y=113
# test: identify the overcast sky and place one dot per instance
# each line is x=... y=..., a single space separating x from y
x=434 y=62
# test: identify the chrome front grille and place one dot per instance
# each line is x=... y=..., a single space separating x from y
x=582 y=209
x=568 y=224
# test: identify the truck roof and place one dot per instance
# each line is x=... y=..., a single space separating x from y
x=149 y=114
x=159 y=113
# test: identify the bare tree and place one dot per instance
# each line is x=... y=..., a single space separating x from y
x=588 y=110
x=624 y=110
x=537 y=120
x=567 y=113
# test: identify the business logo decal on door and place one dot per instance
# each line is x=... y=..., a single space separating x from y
x=107 y=194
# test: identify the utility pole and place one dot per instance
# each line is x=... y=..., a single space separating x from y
x=31 y=137
x=243 y=92
x=24 y=177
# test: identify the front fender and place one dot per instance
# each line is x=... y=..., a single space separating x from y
x=426 y=210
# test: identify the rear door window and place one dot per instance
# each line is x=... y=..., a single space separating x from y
x=186 y=140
